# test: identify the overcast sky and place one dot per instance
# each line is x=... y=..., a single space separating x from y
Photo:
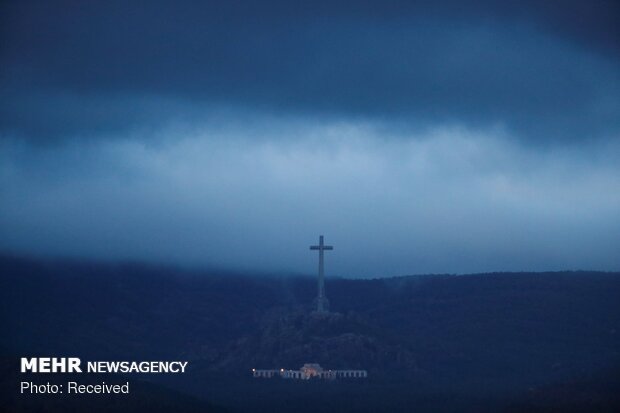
x=454 y=137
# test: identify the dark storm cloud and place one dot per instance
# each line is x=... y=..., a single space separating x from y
x=443 y=137
x=549 y=73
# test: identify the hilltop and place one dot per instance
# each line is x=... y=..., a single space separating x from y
x=481 y=338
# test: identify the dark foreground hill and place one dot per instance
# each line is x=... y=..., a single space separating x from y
x=511 y=342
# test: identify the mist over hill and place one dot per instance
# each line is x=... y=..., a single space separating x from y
x=501 y=341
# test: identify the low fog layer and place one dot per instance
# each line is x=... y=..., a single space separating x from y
x=446 y=200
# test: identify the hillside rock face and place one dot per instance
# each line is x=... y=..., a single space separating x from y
x=288 y=339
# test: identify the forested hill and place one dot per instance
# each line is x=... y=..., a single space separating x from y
x=492 y=334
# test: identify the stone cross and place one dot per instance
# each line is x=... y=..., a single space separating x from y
x=322 y=305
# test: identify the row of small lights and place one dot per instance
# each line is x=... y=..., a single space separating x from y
x=255 y=369
x=280 y=370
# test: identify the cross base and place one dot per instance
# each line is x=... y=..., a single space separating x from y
x=321 y=304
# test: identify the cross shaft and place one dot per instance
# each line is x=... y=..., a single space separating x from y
x=322 y=303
